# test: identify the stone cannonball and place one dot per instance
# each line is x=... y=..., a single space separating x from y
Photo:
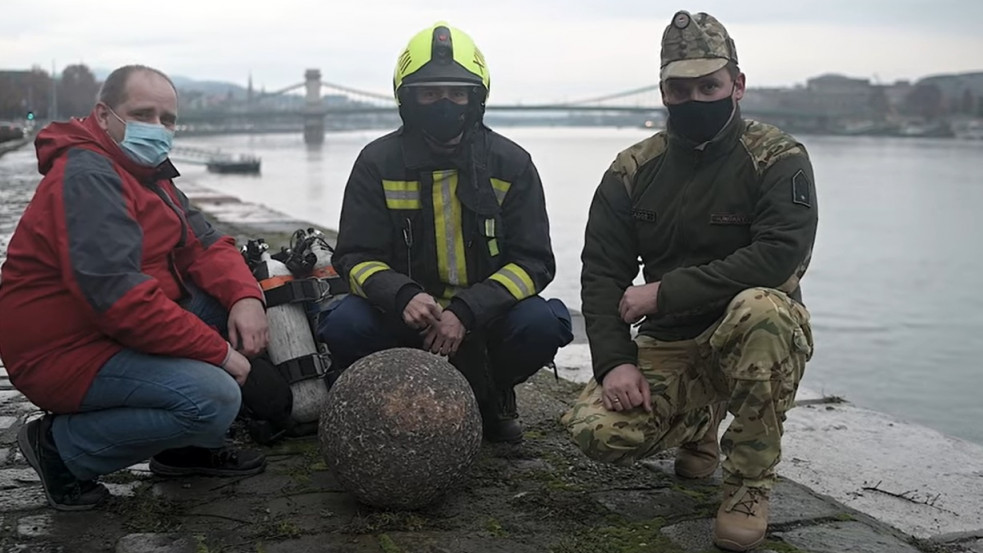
x=400 y=428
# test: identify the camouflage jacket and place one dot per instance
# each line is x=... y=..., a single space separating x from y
x=706 y=223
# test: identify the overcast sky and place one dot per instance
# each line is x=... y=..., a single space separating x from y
x=537 y=50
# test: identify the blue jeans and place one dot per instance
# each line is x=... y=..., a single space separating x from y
x=518 y=344
x=139 y=405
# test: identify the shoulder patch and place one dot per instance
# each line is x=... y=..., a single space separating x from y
x=628 y=161
x=766 y=144
x=800 y=189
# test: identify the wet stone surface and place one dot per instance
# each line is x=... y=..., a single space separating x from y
x=156 y=543
x=34 y=526
x=838 y=537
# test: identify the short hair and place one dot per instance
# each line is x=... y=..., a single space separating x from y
x=113 y=90
x=733 y=70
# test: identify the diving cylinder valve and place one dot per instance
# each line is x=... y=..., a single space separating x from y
x=323 y=269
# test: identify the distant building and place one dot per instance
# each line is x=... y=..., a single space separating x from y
x=832 y=96
x=770 y=99
x=896 y=94
x=838 y=96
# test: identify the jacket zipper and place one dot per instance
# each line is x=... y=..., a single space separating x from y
x=172 y=265
x=408 y=240
x=180 y=217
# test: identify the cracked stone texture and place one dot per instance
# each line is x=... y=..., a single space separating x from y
x=34 y=526
x=840 y=537
x=156 y=543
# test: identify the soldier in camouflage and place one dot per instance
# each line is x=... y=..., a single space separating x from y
x=721 y=212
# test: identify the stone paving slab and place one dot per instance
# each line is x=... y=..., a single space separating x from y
x=6 y=422
x=8 y=395
x=842 y=537
x=156 y=543
x=35 y=526
x=793 y=503
x=22 y=499
x=691 y=535
x=17 y=477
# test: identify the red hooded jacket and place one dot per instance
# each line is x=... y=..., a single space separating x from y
x=98 y=263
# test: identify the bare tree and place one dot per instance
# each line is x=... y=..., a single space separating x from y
x=76 y=91
x=23 y=91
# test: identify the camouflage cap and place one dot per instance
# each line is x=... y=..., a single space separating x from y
x=693 y=46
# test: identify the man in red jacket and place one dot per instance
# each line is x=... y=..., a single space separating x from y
x=115 y=297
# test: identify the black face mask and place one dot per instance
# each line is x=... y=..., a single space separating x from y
x=700 y=121
x=443 y=120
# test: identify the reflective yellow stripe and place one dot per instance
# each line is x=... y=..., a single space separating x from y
x=490 y=234
x=451 y=291
x=516 y=280
x=501 y=189
x=402 y=194
x=451 y=264
x=361 y=272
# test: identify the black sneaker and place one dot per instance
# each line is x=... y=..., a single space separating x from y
x=223 y=461
x=500 y=422
x=63 y=490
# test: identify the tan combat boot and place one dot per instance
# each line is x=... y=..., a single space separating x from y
x=700 y=458
x=742 y=519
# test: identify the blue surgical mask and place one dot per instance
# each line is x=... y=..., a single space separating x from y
x=146 y=143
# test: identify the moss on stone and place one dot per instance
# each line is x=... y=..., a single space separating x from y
x=624 y=537
x=388 y=545
x=148 y=512
x=495 y=528
x=387 y=521
x=277 y=529
x=779 y=546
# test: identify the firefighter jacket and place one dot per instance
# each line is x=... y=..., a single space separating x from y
x=415 y=220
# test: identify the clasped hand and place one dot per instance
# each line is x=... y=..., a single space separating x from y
x=442 y=331
x=639 y=301
x=249 y=333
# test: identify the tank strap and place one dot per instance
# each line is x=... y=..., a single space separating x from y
x=315 y=365
x=296 y=291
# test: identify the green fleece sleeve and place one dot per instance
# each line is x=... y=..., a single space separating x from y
x=610 y=264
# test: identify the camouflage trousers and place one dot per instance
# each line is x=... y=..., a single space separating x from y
x=751 y=359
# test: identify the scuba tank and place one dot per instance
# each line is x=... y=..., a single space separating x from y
x=292 y=348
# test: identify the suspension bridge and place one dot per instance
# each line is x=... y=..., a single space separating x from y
x=330 y=104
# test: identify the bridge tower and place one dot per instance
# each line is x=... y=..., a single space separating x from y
x=313 y=109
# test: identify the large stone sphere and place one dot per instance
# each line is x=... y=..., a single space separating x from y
x=400 y=428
